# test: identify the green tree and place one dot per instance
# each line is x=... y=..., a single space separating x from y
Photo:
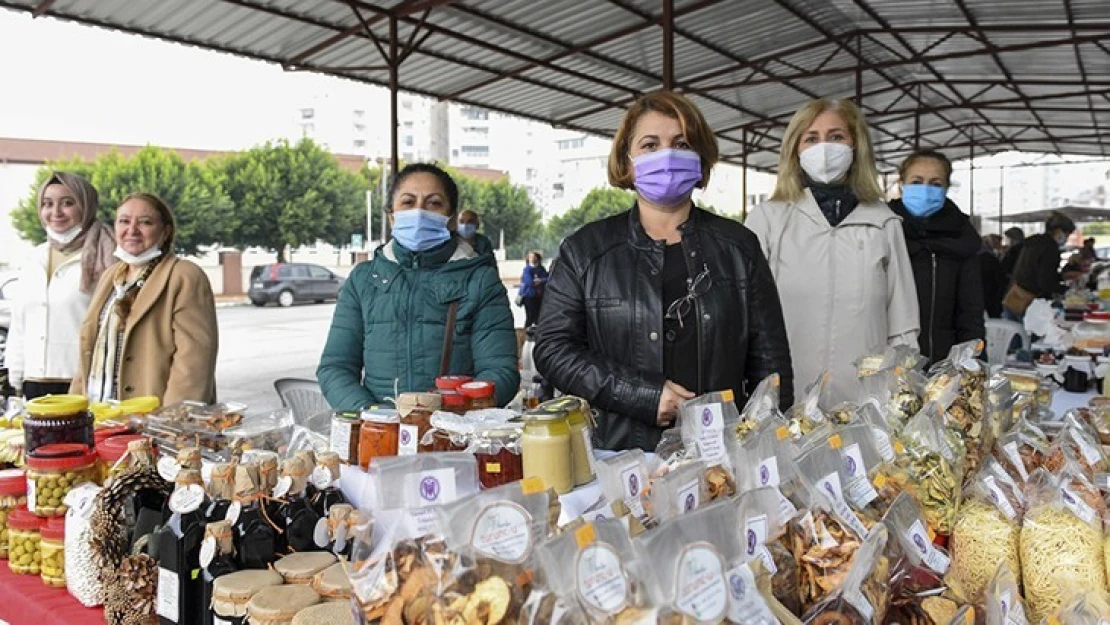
x=193 y=190
x=599 y=203
x=293 y=195
x=1096 y=228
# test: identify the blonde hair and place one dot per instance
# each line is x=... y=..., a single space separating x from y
x=694 y=128
x=863 y=177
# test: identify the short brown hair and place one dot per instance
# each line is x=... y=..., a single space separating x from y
x=164 y=211
x=930 y=154
x=694 y=128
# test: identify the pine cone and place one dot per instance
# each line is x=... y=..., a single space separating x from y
x=108 y=523
x=131 y=597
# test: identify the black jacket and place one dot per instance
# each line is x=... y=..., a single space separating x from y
x=1009 y=261
x=944 y=251
x=600 y=333
x=1038 y=267
x=994 y=283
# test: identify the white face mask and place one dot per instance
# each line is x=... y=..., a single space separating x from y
x=827 y=162
x=141 y=259
x=64 y=238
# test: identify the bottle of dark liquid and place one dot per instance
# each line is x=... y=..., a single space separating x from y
x=296 y=511
x=221 y=492
x=217 y=559
x=180 y=588
x=144 y=511
x=254 y=532
x=325 y=478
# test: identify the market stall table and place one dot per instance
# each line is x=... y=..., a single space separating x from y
x=25 y=600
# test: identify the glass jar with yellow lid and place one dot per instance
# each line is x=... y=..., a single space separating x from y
x=54 y=419
x=580 y=423
x=546 y=449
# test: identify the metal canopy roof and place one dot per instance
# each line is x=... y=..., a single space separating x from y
x=968 y=77
x=1078 y=214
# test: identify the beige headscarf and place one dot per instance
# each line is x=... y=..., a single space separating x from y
x=97 y=241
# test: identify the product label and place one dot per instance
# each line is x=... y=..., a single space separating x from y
x=632 y=481
x=767 y=474
x=207 y=551
x=1090 y=453
x=284 y=483
x=167 y=601
x=1012 y=453
x=856 y=599
x=503 y=532
x=860 y=490
x=830 y=485
x=998 y=497
x=408 y=440
x=589 y=444
x=932 y=557
x=711 y=440
x=321 y=478
x=168 y=468
x=787 y=510
x=1010 y=610
x=700 y=589
x=432 y=487
x=320 y=533
x=1077 y=506
x=688 y=497
x=32 y=494
x=600 y=579
x=882 y=442
x=233 y=512
x=340 y=441
x=187 y=499
x=745 y=604
x=755 y=539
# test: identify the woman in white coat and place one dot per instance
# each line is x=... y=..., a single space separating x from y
x=55 y=285
x=836 y=250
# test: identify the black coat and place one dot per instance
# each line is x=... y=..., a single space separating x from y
x=1038 y=267
x=994 y=283
x=944 y=251
x=600 y=333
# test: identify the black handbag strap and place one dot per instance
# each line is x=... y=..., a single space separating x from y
x=448 y=339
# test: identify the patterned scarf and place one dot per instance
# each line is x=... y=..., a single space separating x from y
x=103 y=382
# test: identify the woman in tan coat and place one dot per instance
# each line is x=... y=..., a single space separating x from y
x=835 y=248
x=151 y=326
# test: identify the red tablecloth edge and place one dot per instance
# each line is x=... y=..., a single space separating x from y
x=25 y=600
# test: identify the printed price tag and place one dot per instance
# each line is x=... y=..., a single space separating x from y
x=168 y=468
x=187 y=499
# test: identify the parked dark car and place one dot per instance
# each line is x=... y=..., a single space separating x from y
x=287 y=283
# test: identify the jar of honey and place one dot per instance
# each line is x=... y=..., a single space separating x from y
x=378 y=435
x=479 y=395
x=497 y=451
x=546 y=450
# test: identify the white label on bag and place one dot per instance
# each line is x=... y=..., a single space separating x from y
x=746 y=604
x=432 y=487
x=167 y=603
x=187 y=499
x=755 y=534
x=932 y=557
x=408 y=440
x=320 y=533
x=1010 y=610
x=768 y=472
x=882 y=442
x=233 y=511
x=830 y=485
x=503 y=532
x=1078 y=507
x=321 y=478
x=1090 y=454
x=711 y=440
x=689 y=497
x=787 y=510
x=700 y=589
x=168 y=468
x=860 y=490
x=1011 y=450
x=600 y=579
x=998 y=498
x=856 y=599
x=632 y=481
x=207 y=551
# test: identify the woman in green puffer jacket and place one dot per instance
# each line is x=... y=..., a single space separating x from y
x=387 y=335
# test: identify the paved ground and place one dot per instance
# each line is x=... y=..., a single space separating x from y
x=260 y=345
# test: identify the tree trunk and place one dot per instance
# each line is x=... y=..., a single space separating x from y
x=281 y=254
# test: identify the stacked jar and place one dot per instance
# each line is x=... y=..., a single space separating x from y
x=57 y=419
x=479 y=395
x=53 y=544
x=53 y=471
x=378 y=435
x=448 y=387
x=110 y=451
x=13 y=494
x=25 y=542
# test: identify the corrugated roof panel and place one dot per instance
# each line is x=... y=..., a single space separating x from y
x=1003 y=12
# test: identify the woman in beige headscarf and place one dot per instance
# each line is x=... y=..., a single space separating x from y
x=55 y=285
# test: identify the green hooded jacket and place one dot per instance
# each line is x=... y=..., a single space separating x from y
x=388 y=330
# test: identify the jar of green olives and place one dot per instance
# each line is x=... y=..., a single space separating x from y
x=13 y=493
x=54 y=470
x=25 y=542
x=53 y=545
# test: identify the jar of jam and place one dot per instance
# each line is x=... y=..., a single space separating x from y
x=581 y=446
x=378 y=436
x=416 y=419
x=25 y=542
x=497 y=450
x=58 y=419
x=479 y=395
x=451 y=382
x=53 y=471
x=449 y=436
x=453 y=401
x=546 y=451
x=13 y=494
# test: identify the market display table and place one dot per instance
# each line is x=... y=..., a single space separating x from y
x=1063 y=401
x=25 y=600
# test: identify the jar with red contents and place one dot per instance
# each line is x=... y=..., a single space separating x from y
x=378 y=436
x=13 y=494
x=451 y=382
x=53 y=471
x=479 y=394
x=497 y=451
x=416 y=419
x=110 y=450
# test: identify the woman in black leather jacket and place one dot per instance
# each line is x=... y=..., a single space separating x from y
x=664 y=302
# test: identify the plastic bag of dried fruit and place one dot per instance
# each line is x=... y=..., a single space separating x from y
x=1076 y=441
x=762 y=404
x=594 y=572
x=825 y=475
x=679 y=492
x=808 y=413
x=691 y=558
x=932 y=470
x=763 y=529
x=921 y=569
x=491 y=537
x=864 y=595
x=624 y=482
x=1022 y=449
x=768 y=453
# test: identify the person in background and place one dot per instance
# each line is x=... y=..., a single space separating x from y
x=1015 y=241
x=944 y=252
x=656 y=305
x=532 y=281
x=990 y=269
x=468 y=231
x=1087 y=253
x=425 y=305
x=1037 y=273
x=55 y=286
x=836 y=250
x=151 y=326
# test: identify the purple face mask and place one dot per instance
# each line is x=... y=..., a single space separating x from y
x=667 y=177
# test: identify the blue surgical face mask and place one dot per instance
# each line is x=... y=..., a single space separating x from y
x=468 y=231
x=922 y=200
x=418 y=230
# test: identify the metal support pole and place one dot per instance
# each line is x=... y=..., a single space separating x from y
x=668 y=44
x=744 y=176
x=917 y=129
x=394 y=67
x=859 y=71
x=972 y=211
x=1001 y=195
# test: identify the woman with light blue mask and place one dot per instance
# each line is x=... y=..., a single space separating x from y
x=425 y=305
x=944 y=252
